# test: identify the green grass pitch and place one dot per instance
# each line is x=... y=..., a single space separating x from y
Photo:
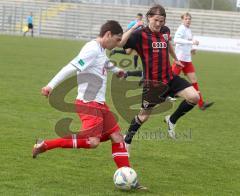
x=205 y=160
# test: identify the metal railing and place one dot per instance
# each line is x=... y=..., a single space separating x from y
x=82 y=21
x=225 y=5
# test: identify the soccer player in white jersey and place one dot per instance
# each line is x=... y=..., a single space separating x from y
x=98 y=123
x=184 y=41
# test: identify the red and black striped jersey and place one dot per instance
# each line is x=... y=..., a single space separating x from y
x=153 y=49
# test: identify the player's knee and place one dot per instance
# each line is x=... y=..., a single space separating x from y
x=194 y=98
x=193 y=78
x=116 y=137
x=143 y=117
x=94 y=142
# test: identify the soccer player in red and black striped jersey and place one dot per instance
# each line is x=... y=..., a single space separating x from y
x=153 y=46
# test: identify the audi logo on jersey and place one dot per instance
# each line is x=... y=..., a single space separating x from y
x=159 y=45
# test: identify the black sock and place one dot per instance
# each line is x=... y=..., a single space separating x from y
x=120 y=51
x=135 y=73
x=182 y=109
x=132 y=130
x=135 y=60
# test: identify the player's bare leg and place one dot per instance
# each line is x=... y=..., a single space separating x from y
x=191 y=98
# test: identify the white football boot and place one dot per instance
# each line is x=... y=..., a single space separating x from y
x=171 y=127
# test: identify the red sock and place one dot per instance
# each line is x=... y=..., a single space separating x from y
x=120 y=155
x=67 y=143
x=200 y=102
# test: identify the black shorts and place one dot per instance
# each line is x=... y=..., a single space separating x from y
x=30 y=26
x=156 y=92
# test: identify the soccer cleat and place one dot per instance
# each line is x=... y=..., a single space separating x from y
x=38 y=148
x=112 y=53
x=127 y=146
x=206 y=105
x=140 y=187
x=171 y=127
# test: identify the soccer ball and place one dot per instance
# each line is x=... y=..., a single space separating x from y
x=125 y=178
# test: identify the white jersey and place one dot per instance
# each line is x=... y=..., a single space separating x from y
x=91 y=66
x=91 y=60
x=184 y=40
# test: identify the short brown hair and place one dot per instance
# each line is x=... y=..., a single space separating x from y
x=186 y=14
x=156 y=10
x=113 y=26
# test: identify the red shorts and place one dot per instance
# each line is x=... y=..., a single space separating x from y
x=97 y=120
x=188 y=68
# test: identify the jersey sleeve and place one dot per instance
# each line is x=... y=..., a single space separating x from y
x=133 y=40
x=62 y=75
x=86 y=57
x=179 y=37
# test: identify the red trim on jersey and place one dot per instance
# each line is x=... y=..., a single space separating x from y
x=145 y=48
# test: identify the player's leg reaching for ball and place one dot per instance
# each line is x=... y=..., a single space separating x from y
x=182 y=89
x=105 y=128
x=120 y=155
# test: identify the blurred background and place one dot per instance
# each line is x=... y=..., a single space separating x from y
x=81 y=19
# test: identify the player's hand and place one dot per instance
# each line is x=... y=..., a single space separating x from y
x=179 y=64
x=138 y=24
x=195 y=42
x=193 y=51
x=121 y=74
x=46 y=91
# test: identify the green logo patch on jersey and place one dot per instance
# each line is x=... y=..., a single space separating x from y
x=81 y=62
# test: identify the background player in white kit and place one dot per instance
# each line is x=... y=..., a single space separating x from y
x=184 y=41
x=98 y=123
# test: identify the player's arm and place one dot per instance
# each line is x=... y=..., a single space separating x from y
x=85 y=59
x=184 y=41
x=173 y=55
x=128 y=33
x=193 y=51
x=179 y=38
x=111 y=67
x=62 y=75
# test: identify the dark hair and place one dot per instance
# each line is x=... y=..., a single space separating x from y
x=113 y=26
x=156 y=10
x=139 y=14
